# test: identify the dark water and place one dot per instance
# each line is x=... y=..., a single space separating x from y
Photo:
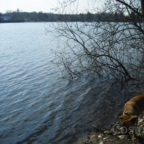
x=36 y=104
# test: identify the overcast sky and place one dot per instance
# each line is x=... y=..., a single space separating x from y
x=38 y=5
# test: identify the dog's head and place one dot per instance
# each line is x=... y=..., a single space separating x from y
x=128 y=120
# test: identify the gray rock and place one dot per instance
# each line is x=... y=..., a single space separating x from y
x=122 y=137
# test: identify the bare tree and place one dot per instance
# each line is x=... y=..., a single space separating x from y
x=111 y=45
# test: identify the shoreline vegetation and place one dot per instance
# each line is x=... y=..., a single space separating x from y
x=18 y=16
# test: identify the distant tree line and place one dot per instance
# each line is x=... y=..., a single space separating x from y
x=19 y=16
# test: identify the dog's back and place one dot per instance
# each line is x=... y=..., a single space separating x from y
x=135 y=105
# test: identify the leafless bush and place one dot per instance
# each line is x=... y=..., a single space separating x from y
x=108 y=46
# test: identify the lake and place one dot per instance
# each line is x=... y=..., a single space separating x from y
x=36 y=104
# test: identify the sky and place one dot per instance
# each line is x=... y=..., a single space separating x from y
x=40 y=5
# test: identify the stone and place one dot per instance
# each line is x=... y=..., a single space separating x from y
x=93 y=139
x=121 y=137
x=140 y=121
x=107 y=132
x=93 y=136
x=105 y=138
x=101 y=142
x=100 y=136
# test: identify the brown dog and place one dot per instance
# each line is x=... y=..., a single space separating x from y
x=132 y=109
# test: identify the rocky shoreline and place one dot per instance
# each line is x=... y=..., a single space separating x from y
x=111 y=134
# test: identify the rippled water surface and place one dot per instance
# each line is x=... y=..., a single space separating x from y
x=36 y=104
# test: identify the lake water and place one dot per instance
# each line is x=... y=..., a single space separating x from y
x=36 y=104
